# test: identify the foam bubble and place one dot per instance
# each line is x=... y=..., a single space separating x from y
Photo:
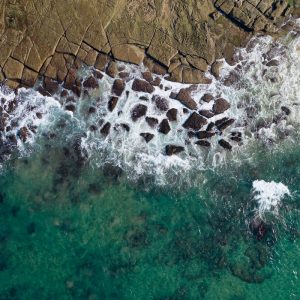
x=269 y=195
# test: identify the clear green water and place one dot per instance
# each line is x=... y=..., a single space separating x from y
x=71 y=231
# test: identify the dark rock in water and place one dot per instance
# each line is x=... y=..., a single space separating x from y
x=97 y=74
x=225 y=144
x=161 y=103
x=43 y=92
x=231 y=79
x=93 y=128
x=126 y=127
x=142 y=86
x=118 y=87
x=112 y=172
x=258 y=227
x=272 y=63
x=147 y=136
x=91 y=83
x=173 y=149
x=92 y=110
x=112 y=103
x=152 y=122
x=138 y=111
x=164 y=127
x=50 y=85
x=207 y=97
x=286 y=110
x=144 y=98
x=185 y=110
x=220 y=106
x=206 y=113
x=185 y=98
x=225 y=124
x=148 y=76
x=70 y=107
x=221 y=121
x=203 y=143
x=95 y=188
x=195 y=122
x=105 y=129
x=172 y=114
x=64 y=93
x=23 y=133
x=204 y=134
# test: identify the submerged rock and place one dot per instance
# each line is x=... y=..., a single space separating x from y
x=173 y=149
x=138 y=111
x=147 y=136
x=164 y=127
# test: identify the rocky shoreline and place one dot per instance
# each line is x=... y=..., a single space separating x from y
x=179 y=39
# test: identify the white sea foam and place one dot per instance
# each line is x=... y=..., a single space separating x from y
x=269 y=195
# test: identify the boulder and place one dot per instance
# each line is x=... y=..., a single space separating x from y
x=203 y=143
x=164 y=127
x=173 y=149
x=220 y=106
x=91 y=83
x=105 y=129
x=225 y=144
x=50 y=85
x=112 y=103
x=161 y=103
x=226 y=123
x=147 y=136
x=172 y=114
x=118 y=87
x=152 y=122
x=195 y=122
x=112 y=69
x=142 y=86
x=207 y=98
x=206 y=113
x=204 y=134
x=185 y=98
x=138 y=111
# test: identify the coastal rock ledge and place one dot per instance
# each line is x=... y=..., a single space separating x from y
x=180 y=38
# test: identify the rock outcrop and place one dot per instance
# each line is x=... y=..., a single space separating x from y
x=180 y=37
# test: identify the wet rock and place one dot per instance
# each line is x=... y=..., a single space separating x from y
x=226 y=123
x=286 y=110
x=105 y=129
x=185 y=98
x=207 y=98
x=172 y=115
x=23 y=134
x=147 y=136
x=220 y=106
x=97 y=74
x=118 y=87
x=236 y=136
x=125 y=127
x=195 y=122
x=64 y=93
x=112 y=69
x=161 y=103
x=273 y=63
x=138 y=111
x=148 y=76
x=203 y=143
x=173 y=149
x=92 y=110
x=50 y=85
x=112 y=103
x=206 y=113
x=231 y=79
x=93 y=128
x=225 y=144
x=91 y=83
x=204 y=134
x=70 y=107
x=142 y=86
x=152 y=122
x=164 y=127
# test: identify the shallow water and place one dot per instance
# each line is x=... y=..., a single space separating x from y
x=84 y=217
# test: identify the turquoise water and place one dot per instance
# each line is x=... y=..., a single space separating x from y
x=72 y=231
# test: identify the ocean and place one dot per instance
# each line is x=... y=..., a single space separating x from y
x=87 y=216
